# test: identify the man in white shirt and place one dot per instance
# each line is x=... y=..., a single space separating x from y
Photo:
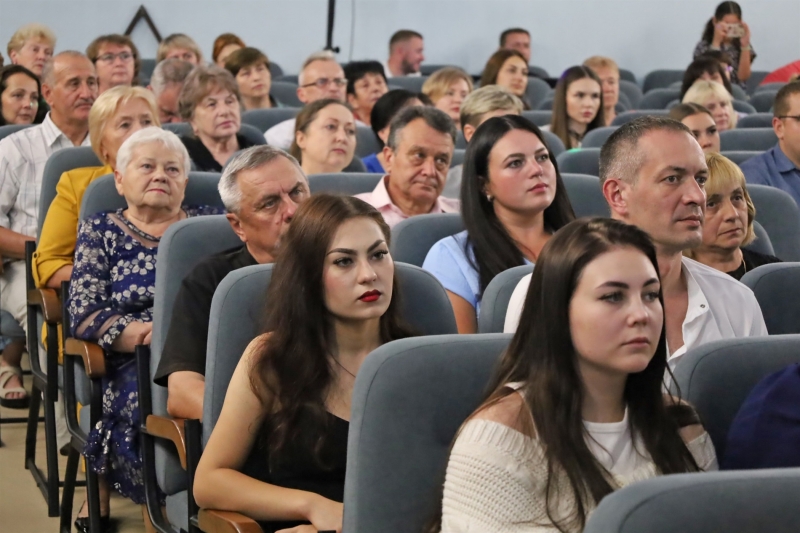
x=652 y=172
x=69 y=85
x=406 y=54
x=321 y=77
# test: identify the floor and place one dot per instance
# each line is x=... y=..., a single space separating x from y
x=22 y=507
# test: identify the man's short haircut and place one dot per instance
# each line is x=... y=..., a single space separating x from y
x=93 y=51
x=401 y=36
x=149 y=135
x=506 y=33
x=438 y=83
x=486 y=100
x=322 y=55
x=355 y=70
x=781 y=105
x=434 y=118
x=620 y=156
x=245 y=57
x=27 y=32
x=178 y=40
x=49 y=71
x=248 y=159
x=168 y=72
x=598 y=62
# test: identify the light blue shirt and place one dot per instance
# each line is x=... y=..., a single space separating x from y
x=773 y=168
x=448 y=261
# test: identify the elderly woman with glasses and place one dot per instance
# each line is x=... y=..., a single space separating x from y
x=116 y=59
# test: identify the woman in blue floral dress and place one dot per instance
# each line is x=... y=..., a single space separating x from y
x=111 y=296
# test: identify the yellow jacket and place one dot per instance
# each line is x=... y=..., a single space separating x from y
x=59 y=234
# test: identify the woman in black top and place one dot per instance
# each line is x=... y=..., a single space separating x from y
x=331 y=302
x=210 y=102
x=728 y=225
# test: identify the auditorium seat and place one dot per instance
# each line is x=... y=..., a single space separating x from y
x=366 y=141
x=758 y=139
x=624 y=118
x=632 y=91
x=716 y=377
x=285 y=93
x=585 y=195
x=628 y=76
x=8 y=129
x=755 y=120
x=458 y=157
x=777 y=211
x=413 y=238
x=762 y=243
x=264 y=119
x=740 y=156
x=428 y=68
x=748 y=501
x=777 y=289
x=659 y=98
x=494 y=302
x=409 y=83
x=776 y=86
x=349 y=183
x=538 y=72
x=539 y=117
x=289 y=78
x=536 y=91
x=763 y=100
x=461 y=141
x=146 y=68
x=409 y=399
x=597 y=137
x=755 y=79
x=553 y=142
x=583 y=161
x=275 y=70
x=659 y=79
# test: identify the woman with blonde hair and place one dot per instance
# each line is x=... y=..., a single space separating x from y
x=32 y=46
x=325 y=137
x=714 y=97
x=181 y=46
x=728 y=224
x=447 y=88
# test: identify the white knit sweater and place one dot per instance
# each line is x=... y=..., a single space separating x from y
x=496 y=479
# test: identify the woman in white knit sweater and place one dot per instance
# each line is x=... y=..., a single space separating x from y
x=577 y=409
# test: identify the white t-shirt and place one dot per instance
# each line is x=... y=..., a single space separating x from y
x=719 y=308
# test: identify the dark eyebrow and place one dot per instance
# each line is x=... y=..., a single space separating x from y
x=353 y=252
x=623 y=285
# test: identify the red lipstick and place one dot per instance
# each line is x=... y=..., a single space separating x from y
x=370 y=296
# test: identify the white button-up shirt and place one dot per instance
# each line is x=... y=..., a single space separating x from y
x=719 y=308
x=23 y=156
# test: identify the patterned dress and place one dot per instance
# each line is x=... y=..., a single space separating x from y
x=113 y=285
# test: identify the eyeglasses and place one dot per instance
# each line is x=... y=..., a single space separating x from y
x=324 y=82
x=109 y=58
x=795 y=117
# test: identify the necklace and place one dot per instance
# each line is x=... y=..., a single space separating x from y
x=343 y=367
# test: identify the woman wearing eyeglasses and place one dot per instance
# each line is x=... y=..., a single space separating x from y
x=116 y=59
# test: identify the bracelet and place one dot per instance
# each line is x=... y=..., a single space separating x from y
x=747 y=48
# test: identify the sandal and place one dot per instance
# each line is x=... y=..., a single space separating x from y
x=6 y=373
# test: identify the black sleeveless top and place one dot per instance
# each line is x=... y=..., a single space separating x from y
x=296 y=468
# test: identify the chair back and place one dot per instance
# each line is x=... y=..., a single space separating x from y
x=741 y=106
x=413 y=238
x=458 y=157
x=538 y=72
x=763 y=100
x=756 y=120
x=755 y=79
x=739 y=93
x=8 y=129
x=627 y=75
x=237 y=313
x=757 y=139
x=409 y=399
x=539 y=117
x=62 y=161
x=409 y=83
x=777 y=211
x=583 y=161
x=546 y=103
x=146 y=68
x=762 y=244
x=716 y=377
x=264 y=119
x=275 y=70
x=661 y=78
x=494 y=303
x=366 y=142
x=585 y=195
x=598 y=136
x=536 y=91
x=740 y=156
x=554 y=142
x=624 y=118
x=630 y=89
x=774 y=86
x=777 y=289
x=286 y=93
x=348 y=183
x=659 y=98
x=101 y=195
x=746 y=501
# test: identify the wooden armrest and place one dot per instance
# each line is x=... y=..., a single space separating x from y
x=211 y=521
x=94 y=360
x=170 y=429
x=49 y=301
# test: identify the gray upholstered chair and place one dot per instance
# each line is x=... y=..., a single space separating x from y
x=539 y=72
x=658 y=98
x=740 y=156
x=409 y=400
x=366 y=142
x=349 y=183
x=583 y=161
x=631 y=90
x=286 y=93
x=756 y=120
x=758 y=139
x=553 y=142
x=755 y=79
x=763 y=100
x=458 y=157
x=539 y=117
x=264 y=119
x=62 y=161
x=536 y=91
x=777 y=211
x=585 y=195
x=413 y=238
x=762 y=244
x=742 y=107
x=749 y=501
x=597 y=137
x=777 y=289
x=717 y=377
x=8 y=129
x=409 y=83
x=494 y=302
x=624 y=118
x=660 y=79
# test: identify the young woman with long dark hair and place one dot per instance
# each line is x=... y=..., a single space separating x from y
x=576 y=408
x=512 y=201
x=727 y=32
x=332 y=300
x=577 y=106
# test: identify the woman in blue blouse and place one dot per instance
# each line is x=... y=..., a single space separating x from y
x=512 y=201
x=111 y=295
